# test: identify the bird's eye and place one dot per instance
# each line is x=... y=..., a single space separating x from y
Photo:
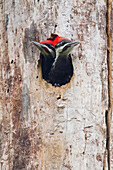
x=62 y=43
x=66 y=47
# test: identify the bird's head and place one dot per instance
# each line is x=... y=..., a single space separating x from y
x=65 y=46
x=55 y=44
x=45 y=47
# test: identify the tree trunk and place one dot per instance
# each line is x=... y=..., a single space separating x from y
x=45 y=127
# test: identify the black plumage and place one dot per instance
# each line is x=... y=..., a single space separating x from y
x=56 y=61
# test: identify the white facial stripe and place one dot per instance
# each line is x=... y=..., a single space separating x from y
x=58 y=50
x=61 y=48
x=57 y=55
x=67 y=51
x=50 y=50
x=44 y=51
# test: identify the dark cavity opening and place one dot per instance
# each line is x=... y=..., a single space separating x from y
x=59 y=97
x=11 y=61
x=57 y=73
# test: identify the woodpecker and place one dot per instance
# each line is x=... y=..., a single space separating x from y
x=56 y=62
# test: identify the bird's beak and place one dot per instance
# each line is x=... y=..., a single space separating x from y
x=38 y=45
x=69 y=47
x=45 y=50
x=41 y=47
x=72 y=44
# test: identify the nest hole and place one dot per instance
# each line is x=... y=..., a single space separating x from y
x=12 y=61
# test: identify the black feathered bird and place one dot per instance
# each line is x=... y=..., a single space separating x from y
x=56 y=62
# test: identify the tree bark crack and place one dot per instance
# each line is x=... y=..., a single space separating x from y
x=109 y=63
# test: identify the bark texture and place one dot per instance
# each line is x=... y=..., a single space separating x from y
x=111 y=148
x=43 y=127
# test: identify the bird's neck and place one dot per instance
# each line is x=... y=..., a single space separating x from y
x=61 y=56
